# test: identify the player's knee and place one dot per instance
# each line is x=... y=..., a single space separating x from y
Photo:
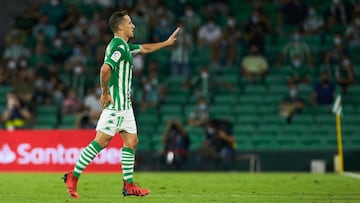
x=132 y=142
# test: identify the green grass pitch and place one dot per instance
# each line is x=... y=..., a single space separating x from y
x=184 y=187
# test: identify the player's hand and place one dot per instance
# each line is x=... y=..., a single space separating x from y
x=105 y=99
x=171 y=40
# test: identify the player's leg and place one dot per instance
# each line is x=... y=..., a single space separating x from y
x=128 y=131
x=128 y=155
x=89 y=153
x=127 y=163
x=105 y=132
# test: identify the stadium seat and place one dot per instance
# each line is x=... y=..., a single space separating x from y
x=265 y=110
x=263 y=142
x=273 y=120
x=251 y=99
x=68 y=121
x=273 y=99
x=268 y=130
x=287 y=142
x=244 y=109
x=178 y=99
x=46 y=120
x=147 y=119
x=4 y=90
x=325 y=119
x=279 y=90
x=304 y=119
x=255 y=90
x=243 y=130
x=171 y=109
x=290 y=132
x=251 y=119
x=229 y=99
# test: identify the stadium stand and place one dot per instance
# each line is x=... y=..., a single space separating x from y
x=253 y=108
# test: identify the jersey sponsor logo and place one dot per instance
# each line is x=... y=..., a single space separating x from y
x=6 y=155
x=116 y=56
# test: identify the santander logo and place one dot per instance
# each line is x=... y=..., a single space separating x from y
x=6 y=155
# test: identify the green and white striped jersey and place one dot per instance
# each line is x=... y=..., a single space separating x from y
x=118 y=56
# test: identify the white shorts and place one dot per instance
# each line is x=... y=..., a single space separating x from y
x=114 y=121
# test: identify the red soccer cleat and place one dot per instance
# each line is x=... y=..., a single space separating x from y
x=132 y=189
x=71 y=183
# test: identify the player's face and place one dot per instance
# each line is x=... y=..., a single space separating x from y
x=128 y=26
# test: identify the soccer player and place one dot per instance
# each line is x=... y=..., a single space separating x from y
x=117 y=114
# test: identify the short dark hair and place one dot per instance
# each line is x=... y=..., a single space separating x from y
x=115 y=20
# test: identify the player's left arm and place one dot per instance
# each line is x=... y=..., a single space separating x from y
x=151 y=47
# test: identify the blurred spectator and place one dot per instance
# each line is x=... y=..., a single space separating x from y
x=5 y=77
x=176 y=145
x=353 y=32
x=41 y=94
x=149 y=96
x=255 y=31
x=77 y=68
x=87 y=119
x=230 y=41
x=334 y=56
x=254 y=64
x=203 y=84
x=16 y=115
x=200 y=114
x=191 y=20
x=338 y=13
x=217 y=7
x=296 y=47
x=92 y=100
x=72 y=104
x=70 y=20
x=163 y=27
x=59 y=50
x=180 y=54
x=314 y=22
x=138 y=65
x=209 y=36
x=139 y=17
x=28 y=17
x=15 y=50
x=292 y=104
x=40 y=58
x=324 y=91
x=16 y=34
x=218 y=146
x=84 y=30
x=55 y=10
x=24 y=85
x=292 y=13
x=43 y=25
x=345 y=74
x=301 y=73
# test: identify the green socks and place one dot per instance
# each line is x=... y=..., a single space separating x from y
x=87 y=155
x=127 y=163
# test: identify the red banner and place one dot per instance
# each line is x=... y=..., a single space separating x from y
x=54 y=150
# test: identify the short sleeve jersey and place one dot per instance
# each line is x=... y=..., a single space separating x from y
x=119 y=56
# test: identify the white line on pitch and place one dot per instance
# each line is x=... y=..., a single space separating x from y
x=353 y=175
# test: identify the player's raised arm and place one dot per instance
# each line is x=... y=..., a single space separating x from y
x=151 y=47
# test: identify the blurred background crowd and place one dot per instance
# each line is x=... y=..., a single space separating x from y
x=259 y=64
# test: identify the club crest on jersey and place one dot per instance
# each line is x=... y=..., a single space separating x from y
x=116 y=56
